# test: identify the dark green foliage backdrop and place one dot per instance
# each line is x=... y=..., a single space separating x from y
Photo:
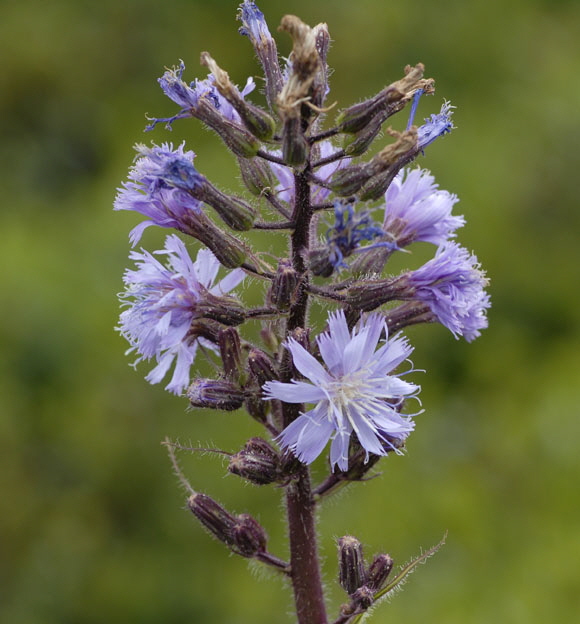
x=91 y=522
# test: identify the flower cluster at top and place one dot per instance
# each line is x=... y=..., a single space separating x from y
x=336 y=219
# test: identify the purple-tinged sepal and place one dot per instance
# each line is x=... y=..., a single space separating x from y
x=284 y=289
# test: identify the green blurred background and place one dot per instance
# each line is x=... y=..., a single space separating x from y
x=92 y=525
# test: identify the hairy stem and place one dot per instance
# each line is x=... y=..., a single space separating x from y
x=304 y=564
x=300 y=506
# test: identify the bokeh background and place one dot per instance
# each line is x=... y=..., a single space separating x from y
x=92 y=525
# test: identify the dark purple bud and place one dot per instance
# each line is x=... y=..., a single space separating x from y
x=351 y=564
x=215 y=394
x=256 y=407
x=214 y=517
x=257 y=462
x=378 y=572
x=319 y=262
x=284 y=287
x=262 y=367
x=249 y=537
x=231 y=353
x=363 y=597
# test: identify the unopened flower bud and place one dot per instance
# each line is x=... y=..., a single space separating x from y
x=294 y=144
x=214 y=517
x=231 y=353
x=351 y=564
x=257 y=462
x=284 y=287
x=215 y=394
x=261 y=366
x=378 y=572
x=249 y=536
x=319 y=262
x=256 y=407
x=256 y=175
x=363 y=597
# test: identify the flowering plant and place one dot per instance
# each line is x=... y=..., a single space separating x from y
x=343 y=388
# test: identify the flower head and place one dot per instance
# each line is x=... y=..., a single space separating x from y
x=452 y=285
x=157 y=187
x=416 y=210
x=344 y=238
x=188 y=96
x=254 y=22
x=354 y=393
x=163 y=300
x=436 y=125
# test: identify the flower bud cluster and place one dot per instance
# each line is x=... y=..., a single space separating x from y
x=359 y=581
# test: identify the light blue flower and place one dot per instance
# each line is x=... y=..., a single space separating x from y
x=161 y=303
x=188 y=96
x=452 y=285
x=416 y=210
x=158 y=188
x=354 y=393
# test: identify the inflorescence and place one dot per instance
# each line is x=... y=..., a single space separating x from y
x=344 y=218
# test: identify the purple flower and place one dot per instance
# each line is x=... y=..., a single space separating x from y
x=416 y=210
x=163 y=300
x=452 y=285
x=254 y=24
x=436 y=126
x=349 y=230
x=157 y=188
x=354 y=393
x=188 y=96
